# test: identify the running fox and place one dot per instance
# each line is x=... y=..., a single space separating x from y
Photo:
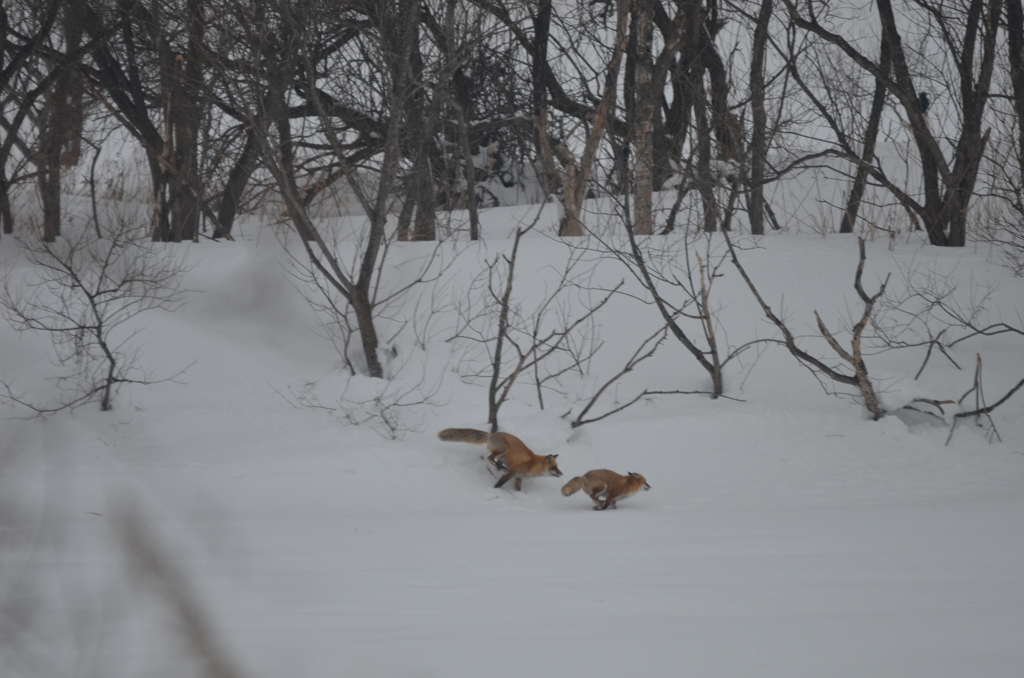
x=608 y=484
x=508 y=454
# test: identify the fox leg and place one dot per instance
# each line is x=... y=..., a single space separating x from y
x=509 y=475
x=595 y=496
x=497 y=447
x=607 y=503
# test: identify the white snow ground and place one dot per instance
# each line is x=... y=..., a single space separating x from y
x=785 y=533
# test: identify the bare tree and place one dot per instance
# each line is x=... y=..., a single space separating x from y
x=540 y=340
x=23 y=36
x=280 y=58
x=1002 y=217
x=758 y=117
x=854 y=357
x=678 y=272
x=649 y=79
x=152 y=78
x=41 y=49
x=967 y=36
x=84 y=293
x=647 y=348
x=575 y=175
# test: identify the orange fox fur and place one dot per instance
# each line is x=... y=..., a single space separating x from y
x=606 y=487
x=508 y=454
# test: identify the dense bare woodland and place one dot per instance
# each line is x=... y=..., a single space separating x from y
x=905 y=119
x=416 y=108
x=662 y=233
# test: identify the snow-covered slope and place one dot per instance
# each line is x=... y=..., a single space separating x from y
x=785 y=533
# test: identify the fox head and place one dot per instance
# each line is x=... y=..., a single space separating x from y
x=551 y=466
x=639 y=480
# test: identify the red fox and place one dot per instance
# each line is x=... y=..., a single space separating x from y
x=608 y=484
x=508 y=454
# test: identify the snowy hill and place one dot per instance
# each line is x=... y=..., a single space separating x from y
x=215 y=518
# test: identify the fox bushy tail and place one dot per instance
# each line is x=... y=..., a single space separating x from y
x=573 y=486
x=464 y=435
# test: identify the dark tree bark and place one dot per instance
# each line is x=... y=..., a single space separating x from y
x=17 y=50
x=860 y=179
x=164 y=119
x=758 y=119
x=187 y=97
x=643 y=110
x=576 y=178
x=420 y=113
x=538 y=83
x=1015 y=41
x=234 y=187
x=971 y=45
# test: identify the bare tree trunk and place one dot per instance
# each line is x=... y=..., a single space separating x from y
x=643 y=111
x=695 y=96
x=706 y=180
x=758 y=119
x=5 y=202
x=6 y=218
x=48 y=162
x=425 y=225
x=538 y=59
x=860 y=179
x=186 y=114
x=947 y=188
x=1015 y=40
x=470 y=173
x=854 y=357
x=60 y=127
x=723 y=122
x=234 y=188
x=15 y=57
x=576 y=181
x=71 y=85
x=420 y=115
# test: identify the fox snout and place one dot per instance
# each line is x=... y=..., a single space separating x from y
x=644 y=485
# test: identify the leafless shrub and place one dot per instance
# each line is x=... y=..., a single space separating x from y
x=422 y=267
x=83 y=292
x=981 y=407
x=1004 y=230
x=389 y=407
x=506 y=338
x=646 y=350
x=853 y=357
x=933 y=315
x=678 y=273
